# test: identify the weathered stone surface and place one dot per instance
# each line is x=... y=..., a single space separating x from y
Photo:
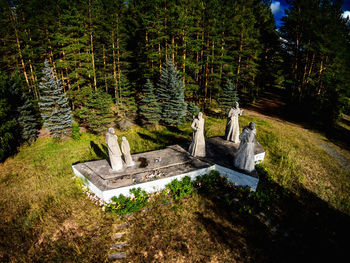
x=171 y=161
x=197 y=146
x=117 y=256
x=232 y=125
x=244 y=158
x=117 y=246
x=126 y=152
x=121 y=226
x=115 y=156
x=118 y=235
x=174 y=160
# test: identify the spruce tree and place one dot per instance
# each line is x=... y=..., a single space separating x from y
x=150 y=108
x=171 y=94
x=54 y=107
x=10 y=137
x=28 y=120
x=126 y=99
x=96 y=113
x=229 y=96
x=192 y=110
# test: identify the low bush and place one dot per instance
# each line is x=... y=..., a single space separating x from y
x=125 y=205
x=179 y=189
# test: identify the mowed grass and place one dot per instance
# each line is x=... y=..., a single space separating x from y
x=45 y=217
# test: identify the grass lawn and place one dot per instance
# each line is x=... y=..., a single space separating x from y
x=45 y=216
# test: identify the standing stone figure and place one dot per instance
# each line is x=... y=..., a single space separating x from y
x=115 y=156
x=126 y=151
x=197 y=147
x=244 y=158
x=232 y=126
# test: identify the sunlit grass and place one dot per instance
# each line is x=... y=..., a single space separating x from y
x=45 y=216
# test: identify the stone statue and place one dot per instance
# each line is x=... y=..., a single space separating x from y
x=197 y=147
x=232 y=126
x=126 y=151
x=115 y=156
x=244 y=158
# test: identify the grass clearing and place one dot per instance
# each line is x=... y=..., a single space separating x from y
x=45 y=217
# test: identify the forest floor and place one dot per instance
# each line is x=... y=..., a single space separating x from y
x=46 y=217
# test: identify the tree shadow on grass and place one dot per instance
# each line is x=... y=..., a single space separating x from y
x=292 y=228
x=164 y=139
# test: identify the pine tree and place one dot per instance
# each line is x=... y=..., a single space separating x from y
x=126 y=99
x=229 y=96
x=54 y=107
x=171 y=94
x=96 y=113
x=150 y=108
x=28 y=120
x=10 y=137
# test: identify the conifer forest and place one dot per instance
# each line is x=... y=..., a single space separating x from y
x=160 y=61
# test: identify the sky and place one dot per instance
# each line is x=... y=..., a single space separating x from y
x=278 y=8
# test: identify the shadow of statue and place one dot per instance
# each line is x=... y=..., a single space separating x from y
x=285 y=227
x=100 y=153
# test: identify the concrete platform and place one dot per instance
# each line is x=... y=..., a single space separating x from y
x=153 y=170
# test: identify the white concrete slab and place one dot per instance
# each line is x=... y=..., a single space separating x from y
x=239 y=179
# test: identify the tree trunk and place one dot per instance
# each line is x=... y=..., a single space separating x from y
x=114 y=66
x=104 y=67
x=92 y=49
x=222 y=53
x=184 y=57
x=13 y=20
x=240 y=55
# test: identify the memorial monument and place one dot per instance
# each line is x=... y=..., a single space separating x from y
x=126 y=152
x=115 y=156
x=197 y=147
x=232 y=126
x=244 y=157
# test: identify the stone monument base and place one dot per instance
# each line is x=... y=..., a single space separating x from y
x=153 y=170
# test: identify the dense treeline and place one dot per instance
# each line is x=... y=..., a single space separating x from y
x=104 y=51
x=316 y=55
x=116 y=46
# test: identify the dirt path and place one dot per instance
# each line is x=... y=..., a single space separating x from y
x=271 y=106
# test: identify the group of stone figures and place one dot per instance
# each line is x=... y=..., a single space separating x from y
x=115 y=155
x=244 y=157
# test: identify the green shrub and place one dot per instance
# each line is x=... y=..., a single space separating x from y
x=211 y=183
x=179 y=189
x=125 y=205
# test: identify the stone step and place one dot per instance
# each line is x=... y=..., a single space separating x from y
x=121 y=226
x=117 y=256
x=118 y=235
x=120 y=245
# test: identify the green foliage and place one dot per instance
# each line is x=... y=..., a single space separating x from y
x=170 y=93
x=28 y=120
x=95 y=112
x=247 y=200
x=192 y=110
x=125 y=205
x=316 y=54
x=10 y=132
x=76 y=131
x=54 y=106
x=150 y=108
x=229 y=96
x=210 y=183
x=180 y=189
x=126 y=100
